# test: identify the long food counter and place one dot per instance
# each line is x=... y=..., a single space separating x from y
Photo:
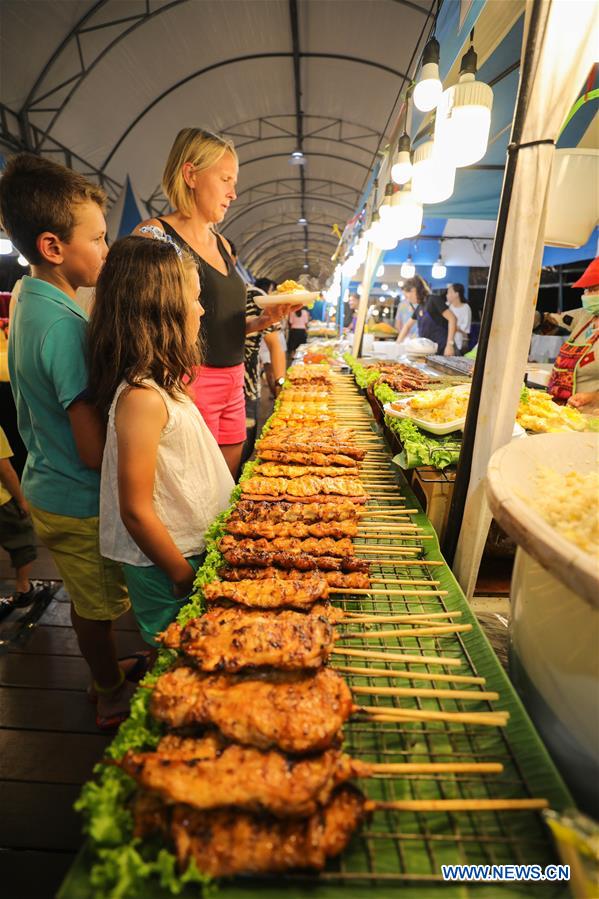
x=445 y=766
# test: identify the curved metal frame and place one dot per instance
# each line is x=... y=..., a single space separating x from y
x=251 y=258
x=291 y=231
x=282 y=197
x=285 y=135
x=287 y=257
x=290 y=179
x=265 y=261
x=234 y=61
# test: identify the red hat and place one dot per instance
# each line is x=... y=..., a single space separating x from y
x=590 y=278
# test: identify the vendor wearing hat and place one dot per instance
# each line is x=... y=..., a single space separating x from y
x=575 y=375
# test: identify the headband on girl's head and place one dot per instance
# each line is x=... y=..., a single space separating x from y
x=157 y=234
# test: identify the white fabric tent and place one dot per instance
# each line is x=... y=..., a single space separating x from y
x=560 y=51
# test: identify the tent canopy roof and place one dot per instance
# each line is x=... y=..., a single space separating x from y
x=113 y=81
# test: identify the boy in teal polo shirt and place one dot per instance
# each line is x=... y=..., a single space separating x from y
x=55 y=218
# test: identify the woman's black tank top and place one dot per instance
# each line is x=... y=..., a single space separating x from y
x=223 y=297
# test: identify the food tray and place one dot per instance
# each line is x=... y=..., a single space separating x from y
x=286 y=299
x=405 y=851
x=435 y=428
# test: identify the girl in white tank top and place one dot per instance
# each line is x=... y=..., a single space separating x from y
x=164 y=479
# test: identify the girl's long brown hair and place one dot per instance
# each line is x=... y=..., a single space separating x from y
x=137 y=328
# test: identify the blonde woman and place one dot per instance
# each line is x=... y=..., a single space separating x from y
x=199 y=180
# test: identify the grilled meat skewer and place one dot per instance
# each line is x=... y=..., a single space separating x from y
x=313 y=546
x=307 y=485
x=297 y=711
x=348 y=580
x=308 y=458
x=206 y=774
x=316 y=440
x=312 y=513
x=279 y=470
x=275 y=593
x=271 y=529
x=239 y=557
x=232 y=639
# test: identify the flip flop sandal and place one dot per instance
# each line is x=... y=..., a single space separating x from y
x=138 y=670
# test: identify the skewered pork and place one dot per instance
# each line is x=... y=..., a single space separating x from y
x=318 y=440
x=354 y=580
x=278 y=470
x=239 y=557
x=227 y=842
x=251 y=510
x=271 y=529
x=314 y=546
x=275 y=593
x=207 y=775
x=308 y=458
x=297 y=711
x=231 y=639
x=304 y=486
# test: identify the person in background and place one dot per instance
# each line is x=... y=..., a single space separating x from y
x=349 y=309
x=405 y=311
x=16 y=535
x=298 y=329
x=463 y=313
x=575 y=375
x=8 y=410
x=164 y=479
x=276 y=364
x=55 y=218
x=199 y=180
x=431 y=315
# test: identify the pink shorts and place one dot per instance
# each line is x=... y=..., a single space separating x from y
x=218 y=394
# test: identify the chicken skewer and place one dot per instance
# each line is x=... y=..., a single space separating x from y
x=347 y=582
x=234 y=639
x=296 y=712
x=208 y=774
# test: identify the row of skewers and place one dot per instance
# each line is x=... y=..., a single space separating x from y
x=250 y=776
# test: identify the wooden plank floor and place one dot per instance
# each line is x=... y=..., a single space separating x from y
x=49 y=742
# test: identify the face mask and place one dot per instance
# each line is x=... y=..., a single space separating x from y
x=590 y=302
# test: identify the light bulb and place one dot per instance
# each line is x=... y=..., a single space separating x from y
x=463 y=117
x=22 y=261
x=401 y=171
x=384 y=237
x=408 y=269
x=439 y=270
x=428 y=90
x=406 y=214
x=433 y=177
x=5 y=246
x=302 y=221
x=380 y=271
x=385 y=207
x=384 y=287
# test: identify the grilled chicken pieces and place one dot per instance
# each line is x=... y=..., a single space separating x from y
x=239 y=557
x=308 y=458
x=297 y=712
x=278 y=470
x=314 y=546
x=252 y=510
x=271 y=529
x=275 y=593
x=233 y=639
x=352 y=580
x=316 y=440
x=307 y=485
x=205 y=775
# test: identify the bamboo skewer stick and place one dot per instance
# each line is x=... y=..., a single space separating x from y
x=376 y=535
x=399 y=580
x=456 y=805
x=402 y=562
x=366 y=592
x=407 y=616
x=398 y=657
x=362 y=550
x=411 y=675
x=391 y=714
x=440 y=630
x=436 y=768
x=426 y=693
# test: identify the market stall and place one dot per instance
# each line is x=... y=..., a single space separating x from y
x=447 y=764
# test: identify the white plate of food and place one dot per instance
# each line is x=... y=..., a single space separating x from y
x=303 y=297
x=438 y=411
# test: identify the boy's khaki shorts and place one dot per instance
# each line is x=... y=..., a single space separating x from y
x=95 y=585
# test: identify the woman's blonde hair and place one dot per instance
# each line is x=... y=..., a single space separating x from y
x=202 y=149
x=138 y=325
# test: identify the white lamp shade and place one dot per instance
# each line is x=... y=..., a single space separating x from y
x=573 y=199
x=22 y=261
x=433 y=177
x=380 y=271
x=407 y=214
x=401 y=171
x=5 y=246
x=438 y=270
x=407 y=270
x=463 y=121
x=384 y=237
x=427 y=92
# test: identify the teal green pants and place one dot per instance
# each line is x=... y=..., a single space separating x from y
x=152 y=600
